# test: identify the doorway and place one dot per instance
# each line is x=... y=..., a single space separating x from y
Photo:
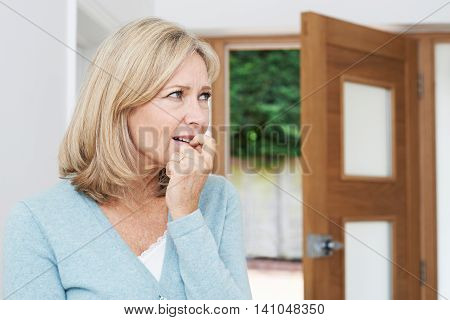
x=259 y=154
x=264 y=143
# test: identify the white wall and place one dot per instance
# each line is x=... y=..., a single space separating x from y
x=283 y=16
x=37 y=82
x=96 y=19
x=442 y=87
x=83 y=60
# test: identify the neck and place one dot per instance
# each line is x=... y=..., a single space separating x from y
x=138 y=196
x=142 y=191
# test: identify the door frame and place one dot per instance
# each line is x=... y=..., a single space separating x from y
x=427 y=160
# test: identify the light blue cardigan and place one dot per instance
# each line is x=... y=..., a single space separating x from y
x=58 y=244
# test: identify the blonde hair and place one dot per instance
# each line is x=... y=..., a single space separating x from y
x=129 y=68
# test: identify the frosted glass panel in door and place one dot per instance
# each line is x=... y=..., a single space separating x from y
x=367 y=130
x=368 y=252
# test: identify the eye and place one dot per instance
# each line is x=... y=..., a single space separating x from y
x=205 y=95
x=178 y=94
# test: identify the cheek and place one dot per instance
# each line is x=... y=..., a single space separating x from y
x=206 y=112
x=144 y=132
x=158 y=133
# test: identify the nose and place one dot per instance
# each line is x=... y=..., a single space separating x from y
x=197 y=114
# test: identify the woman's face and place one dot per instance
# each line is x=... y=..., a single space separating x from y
x=179 y=109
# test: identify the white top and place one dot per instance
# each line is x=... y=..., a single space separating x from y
x=153 y=257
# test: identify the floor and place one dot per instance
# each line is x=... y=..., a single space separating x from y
x=275 y=279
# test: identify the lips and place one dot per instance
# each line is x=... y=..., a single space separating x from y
x=183 y=138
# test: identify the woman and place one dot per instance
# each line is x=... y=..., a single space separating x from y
x=138 y=215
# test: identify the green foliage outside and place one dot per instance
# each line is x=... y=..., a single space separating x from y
x=265 y=104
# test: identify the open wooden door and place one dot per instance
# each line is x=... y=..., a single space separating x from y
x=361 y=218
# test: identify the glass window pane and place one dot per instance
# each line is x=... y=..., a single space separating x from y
x=368 y=252
x=367 y=127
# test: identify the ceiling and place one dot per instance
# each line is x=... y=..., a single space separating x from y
x=98 y=18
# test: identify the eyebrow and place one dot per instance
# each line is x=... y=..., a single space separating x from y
x=187 y=87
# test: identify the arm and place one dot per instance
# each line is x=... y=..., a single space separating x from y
x=211 y=272
x=29 y=266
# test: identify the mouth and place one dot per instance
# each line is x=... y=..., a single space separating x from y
x=185 y=139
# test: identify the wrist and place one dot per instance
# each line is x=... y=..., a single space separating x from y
x=182 y=211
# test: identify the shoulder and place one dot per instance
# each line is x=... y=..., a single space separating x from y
x=60 y=217
x=61 y=191
x=18 y=218
x=47 y=206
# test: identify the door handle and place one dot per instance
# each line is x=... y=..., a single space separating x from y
x=322 y=245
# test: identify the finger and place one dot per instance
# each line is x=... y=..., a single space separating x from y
x=209 y=146
x=173 y=164
x=205 y=141
x=169 y=168
x=187 y=150
x=197 y=142
x=175 y=156
x=188 y=160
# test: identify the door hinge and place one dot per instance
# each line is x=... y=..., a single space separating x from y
x=420 y=85
x=423 y=272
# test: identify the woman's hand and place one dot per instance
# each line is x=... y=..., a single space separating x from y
x=188 y=170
